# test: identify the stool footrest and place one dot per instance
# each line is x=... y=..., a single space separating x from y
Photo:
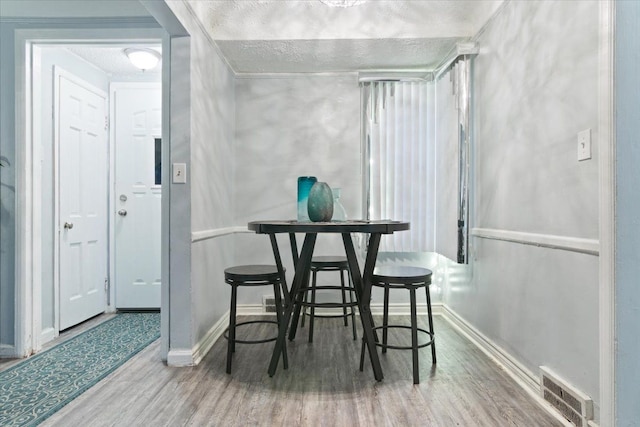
x=396 y=347
x=226 y=332
x=328 y=316
x=322 y=305
x=327 y=288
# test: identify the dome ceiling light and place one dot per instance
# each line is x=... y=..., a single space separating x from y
x=143 y=58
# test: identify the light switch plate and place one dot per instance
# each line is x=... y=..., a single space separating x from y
x=179 y=173
x=584 y=145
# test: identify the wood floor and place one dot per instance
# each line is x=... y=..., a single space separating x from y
x=322 y=387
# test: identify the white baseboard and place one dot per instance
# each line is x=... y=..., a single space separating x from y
x=210 y=338
x=191 y=357
x=249 y=310
x=403 y=309
x=185 y=357
x=7 y=351
x=179 y=358
x=47 y=335
x=520 y=374
x=395 y=309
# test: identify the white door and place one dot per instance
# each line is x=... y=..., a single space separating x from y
x=137 y=136
x=82 y=199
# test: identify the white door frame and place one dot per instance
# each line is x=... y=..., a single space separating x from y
x=607 y=213
x=28 y=273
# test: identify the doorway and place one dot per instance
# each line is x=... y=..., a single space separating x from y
x=81 y=275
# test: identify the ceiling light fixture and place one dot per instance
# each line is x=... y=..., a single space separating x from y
x=143 y=58
x=342 y=3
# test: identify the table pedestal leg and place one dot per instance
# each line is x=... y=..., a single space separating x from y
x=298 y=282
x=362 y=285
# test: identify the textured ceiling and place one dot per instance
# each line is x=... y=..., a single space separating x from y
x=311 y=19
x=291 y=36
x=307 y=36
x=318 y=56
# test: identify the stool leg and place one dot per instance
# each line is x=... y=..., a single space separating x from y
x=313 y=303
x=232 y=327
x=344 y=298
x=279 y=315
x=304 y=310
x=385 y=318
x=414 y=337
x=353 y=309
x=362 y=356
x=433 y=337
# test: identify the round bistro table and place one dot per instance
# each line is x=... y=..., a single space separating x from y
x=361 y=282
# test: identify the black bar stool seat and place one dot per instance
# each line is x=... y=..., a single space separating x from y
x=410 y=278
x=329 y=263
x=251 y=276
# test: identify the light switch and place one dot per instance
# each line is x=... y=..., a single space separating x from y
x=179 y=173
x=584 y=145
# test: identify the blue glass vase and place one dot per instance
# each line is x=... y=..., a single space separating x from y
x=304 y=187
x=320 y=202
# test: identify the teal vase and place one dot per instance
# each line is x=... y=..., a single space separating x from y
x=320 y=204
x=304 y=186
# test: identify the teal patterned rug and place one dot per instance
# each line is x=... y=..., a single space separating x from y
x=36 y=388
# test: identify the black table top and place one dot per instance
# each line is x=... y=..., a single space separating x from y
x=350 y=226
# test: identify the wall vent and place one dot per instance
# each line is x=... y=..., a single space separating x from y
x=269 y=303
x=574 y=405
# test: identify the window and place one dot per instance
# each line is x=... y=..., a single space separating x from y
x=399 y=160
x=416 y=146
x=158 y=161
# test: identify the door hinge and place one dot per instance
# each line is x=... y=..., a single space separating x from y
x=106 y=122
x=106 y=285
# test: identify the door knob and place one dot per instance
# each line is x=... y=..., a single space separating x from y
x=68 y=225
x=122 y=212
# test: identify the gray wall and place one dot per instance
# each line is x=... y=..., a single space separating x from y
x=627 y=268
x=302 y=125
x=7 y=187
x=198 y=305
x=535 y=88
x=289 y=127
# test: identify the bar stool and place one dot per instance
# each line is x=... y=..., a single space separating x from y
x=252 y=275
x=411 y=278
x=330 y=263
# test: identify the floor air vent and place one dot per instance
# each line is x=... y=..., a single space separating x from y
x=574 y=405
x=268 y=304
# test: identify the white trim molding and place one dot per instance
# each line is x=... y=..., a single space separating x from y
x=209 y=339
x=573 y=244
x=607 y=212
x=180 y=358
x=198 y=236
x=7 y=351
x=190 y=357
x=184 y=357
x=395 y=309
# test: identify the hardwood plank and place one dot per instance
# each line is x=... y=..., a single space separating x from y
x=322 y=387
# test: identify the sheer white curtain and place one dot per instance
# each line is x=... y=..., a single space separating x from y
x=399 y=160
